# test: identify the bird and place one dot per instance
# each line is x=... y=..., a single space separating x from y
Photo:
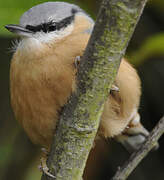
x=53 y=35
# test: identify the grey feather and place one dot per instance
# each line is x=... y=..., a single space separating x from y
x=49 y=11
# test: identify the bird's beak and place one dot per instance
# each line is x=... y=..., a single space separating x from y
x=17 y=29
x=133 y=137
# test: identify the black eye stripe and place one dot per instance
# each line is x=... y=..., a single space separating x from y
x=51 y=26
x=74 y=11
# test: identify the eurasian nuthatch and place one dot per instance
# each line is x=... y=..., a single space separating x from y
x=42 y=76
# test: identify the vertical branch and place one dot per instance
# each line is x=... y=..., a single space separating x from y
x=80 y=118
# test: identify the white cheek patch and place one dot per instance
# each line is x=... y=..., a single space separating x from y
x=28 y=45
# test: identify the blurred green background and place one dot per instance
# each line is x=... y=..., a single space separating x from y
x=19 y=159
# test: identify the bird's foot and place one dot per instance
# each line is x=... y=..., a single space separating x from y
x=77 y=61
x=45 y=151
x=43 y=167
x=114 y=88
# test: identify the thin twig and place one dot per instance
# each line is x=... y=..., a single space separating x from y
x=136 y=157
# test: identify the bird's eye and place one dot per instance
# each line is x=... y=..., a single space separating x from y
x=51 y=28
x=31 y=28
x=42 y=27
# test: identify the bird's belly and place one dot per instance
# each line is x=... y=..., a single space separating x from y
x=36 y=111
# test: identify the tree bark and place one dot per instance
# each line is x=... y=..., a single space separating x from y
x=80 y=118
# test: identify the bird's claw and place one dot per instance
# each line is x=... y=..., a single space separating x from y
x=44 y=150
x=77 y=61
x=114 y=88
x=43 y=167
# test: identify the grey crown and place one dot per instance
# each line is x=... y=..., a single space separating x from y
x=48 y=11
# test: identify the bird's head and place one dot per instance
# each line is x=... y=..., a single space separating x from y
x=51 y=21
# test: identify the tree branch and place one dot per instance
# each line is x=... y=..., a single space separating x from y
x=136 y=157
x=80 y=118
